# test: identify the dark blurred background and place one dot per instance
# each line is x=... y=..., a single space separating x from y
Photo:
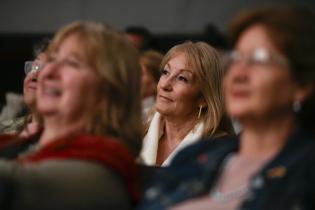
x=24 y=23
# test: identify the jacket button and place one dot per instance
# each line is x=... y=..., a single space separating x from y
x=257 y=183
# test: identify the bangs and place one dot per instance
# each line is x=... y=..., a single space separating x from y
x=87 y=44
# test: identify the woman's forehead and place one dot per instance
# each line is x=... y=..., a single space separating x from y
x=73 y=43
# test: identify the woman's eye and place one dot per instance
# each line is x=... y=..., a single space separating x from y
x=182 y=78
x=51 y=59
x=73 y=63
x=164 y=72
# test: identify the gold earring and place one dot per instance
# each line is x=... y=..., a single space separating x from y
x=297 y=106
x=199 y=113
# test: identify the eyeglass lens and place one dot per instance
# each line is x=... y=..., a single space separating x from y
x=31 y=66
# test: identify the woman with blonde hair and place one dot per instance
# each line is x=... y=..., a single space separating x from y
x=189 y=102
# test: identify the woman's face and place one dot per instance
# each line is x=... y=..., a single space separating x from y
x=30 y=82
x=178 y=93
x=67 y=85
x=258 y=83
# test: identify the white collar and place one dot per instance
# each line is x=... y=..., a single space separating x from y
x=155 y=131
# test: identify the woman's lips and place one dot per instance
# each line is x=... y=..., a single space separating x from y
x=163 y=98
x=32 y=86
x=239 y=93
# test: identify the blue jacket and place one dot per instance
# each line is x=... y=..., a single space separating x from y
x=286 y=182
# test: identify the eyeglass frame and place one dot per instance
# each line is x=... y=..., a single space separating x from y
x=259 y=56
x=32 y=66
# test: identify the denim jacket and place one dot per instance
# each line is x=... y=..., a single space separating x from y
x=287 y=182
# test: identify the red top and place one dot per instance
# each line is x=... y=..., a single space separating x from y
x=105 y=151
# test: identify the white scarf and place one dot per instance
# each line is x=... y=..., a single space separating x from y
x=151 y=141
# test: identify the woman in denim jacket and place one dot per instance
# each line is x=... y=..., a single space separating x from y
x=269 y=89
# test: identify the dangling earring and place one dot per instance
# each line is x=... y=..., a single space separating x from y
x=297 y=106
x=199 y=113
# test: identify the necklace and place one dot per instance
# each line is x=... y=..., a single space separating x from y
x=238 y=193
x=224 y=197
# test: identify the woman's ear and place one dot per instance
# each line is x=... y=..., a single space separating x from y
x=303 y=91
x=202 y=102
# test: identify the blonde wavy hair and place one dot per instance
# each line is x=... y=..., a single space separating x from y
x=205 y=60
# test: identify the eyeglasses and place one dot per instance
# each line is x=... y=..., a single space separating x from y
x=32 y=66
x=259 y=56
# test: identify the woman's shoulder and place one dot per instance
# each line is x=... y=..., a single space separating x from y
x=207 y=146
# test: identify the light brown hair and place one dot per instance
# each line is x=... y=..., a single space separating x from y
x=152 y=59
x=116 y=63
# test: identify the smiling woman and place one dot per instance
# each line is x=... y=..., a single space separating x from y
x=66 y=77
x=88 y=97
x=28 y=124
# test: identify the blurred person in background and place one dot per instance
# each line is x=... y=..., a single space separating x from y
x=141 y=38
x=269 y=88
x=214 y=37
x=27 y=124
x=88 y=97
x=150 y=62
x=12 y=106
x=189 y=103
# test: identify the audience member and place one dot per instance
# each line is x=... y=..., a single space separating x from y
x=189 y=103
x=27 y=124
x=141 y=38
x=11 y=108
x=88 y=96
x=214 y=37
x=150 y=62
x=268 y=84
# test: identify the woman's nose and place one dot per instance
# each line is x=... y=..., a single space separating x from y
x=238 y=71
x=34 y=77
x=50 y=70
x=166 y=83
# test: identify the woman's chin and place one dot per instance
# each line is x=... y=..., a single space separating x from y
x=237 y=113
x=45 y=110
x=164 y=111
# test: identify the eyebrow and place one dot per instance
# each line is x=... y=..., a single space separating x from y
x=76 y=55
x=181 y=70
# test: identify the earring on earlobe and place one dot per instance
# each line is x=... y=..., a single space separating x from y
x=297 y=106
x=199 y=113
